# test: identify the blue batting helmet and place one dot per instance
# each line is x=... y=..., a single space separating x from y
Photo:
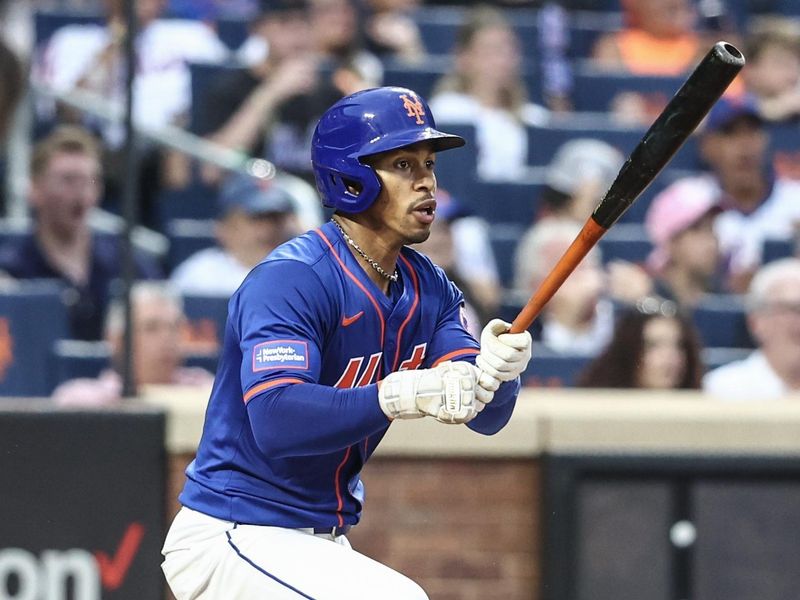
x=362 y=124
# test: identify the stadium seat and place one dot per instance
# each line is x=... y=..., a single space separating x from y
x=232 y=32
x=207 y=315
x=438 y=27
x=187 y=236
x=625 y=241
x=550 y=369
x=774 y=249
x=504 y=239
x=505 y=202
x=32 y=317
x=721 y=322
x=510 y=305
x=195 y=201
x=717 y=357
x=418 y=78
x=203 y=360
x=785 y=149
x=202 y=76
x=456 y=171
x=78 y=358
x=47 y=22
x=594 y=90
x=586 y=26
x=544 y=141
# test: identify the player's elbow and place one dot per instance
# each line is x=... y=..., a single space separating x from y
x=272 y=445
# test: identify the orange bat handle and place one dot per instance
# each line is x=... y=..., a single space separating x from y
x=586 y=240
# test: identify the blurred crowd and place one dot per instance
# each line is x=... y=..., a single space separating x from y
x=697 y=286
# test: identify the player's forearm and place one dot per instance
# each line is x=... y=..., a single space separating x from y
x=307 y=419
x=497 y=413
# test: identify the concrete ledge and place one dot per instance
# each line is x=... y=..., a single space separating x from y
x=557 y=420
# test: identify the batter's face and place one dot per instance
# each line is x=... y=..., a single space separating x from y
x=405 y=208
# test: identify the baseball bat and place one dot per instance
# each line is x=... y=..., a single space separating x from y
x=666 y=135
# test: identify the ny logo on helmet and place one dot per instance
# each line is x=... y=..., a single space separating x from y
x=414 y=108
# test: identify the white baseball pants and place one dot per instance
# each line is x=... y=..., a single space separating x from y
x=210 y=559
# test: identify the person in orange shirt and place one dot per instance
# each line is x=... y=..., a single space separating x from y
x=660 y=37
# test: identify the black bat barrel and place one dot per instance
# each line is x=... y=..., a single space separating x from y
x=670 y=130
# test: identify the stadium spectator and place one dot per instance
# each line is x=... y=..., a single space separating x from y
x=269 y=109
x=685 y=262
x=65 y=187
x=772 y=71
x=659 y=37
x=654 y=347
x=579 y=318
x=157 y=353
x=486 y=88
x=772 y=370
x=756 y=204
x=391 y=32
x=90 y=57
x=336 y=32
x=577 y=177
x=255 y=218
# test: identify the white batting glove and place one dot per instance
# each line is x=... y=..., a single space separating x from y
x=503 y=355
x=445 y=392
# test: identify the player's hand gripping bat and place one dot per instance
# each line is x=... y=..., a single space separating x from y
x=669 y=131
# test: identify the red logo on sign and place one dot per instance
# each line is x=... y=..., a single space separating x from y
x=113 y=570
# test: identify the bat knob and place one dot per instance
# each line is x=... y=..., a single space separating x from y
x=729 y=53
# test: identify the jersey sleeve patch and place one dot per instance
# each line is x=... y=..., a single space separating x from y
x=280 y=354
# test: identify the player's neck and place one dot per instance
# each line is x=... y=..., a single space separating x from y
x=377 y=259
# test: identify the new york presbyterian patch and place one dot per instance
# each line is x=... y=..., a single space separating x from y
x=280 y=354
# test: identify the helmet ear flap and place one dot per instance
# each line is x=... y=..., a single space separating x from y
x=353 y=191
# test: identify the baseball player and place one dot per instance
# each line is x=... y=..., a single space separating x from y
x=331 y=338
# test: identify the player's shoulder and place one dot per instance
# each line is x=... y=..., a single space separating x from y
x=306 y=249
x=423 y=266
x=305 y=260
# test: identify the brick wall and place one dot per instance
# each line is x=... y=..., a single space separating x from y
x=464 y=529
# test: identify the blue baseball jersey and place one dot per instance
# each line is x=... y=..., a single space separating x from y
x=294 y=412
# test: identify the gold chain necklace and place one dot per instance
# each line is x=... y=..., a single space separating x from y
x=373 y=263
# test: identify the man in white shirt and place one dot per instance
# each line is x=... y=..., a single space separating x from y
x=756 y=204
x=773 y=370
x=255 y=217
x=90 y=57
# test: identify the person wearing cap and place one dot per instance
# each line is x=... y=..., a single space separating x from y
x=756 y=203
x=255 y=218
x=577 y=177
x=685 y=261
x=579 y=318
